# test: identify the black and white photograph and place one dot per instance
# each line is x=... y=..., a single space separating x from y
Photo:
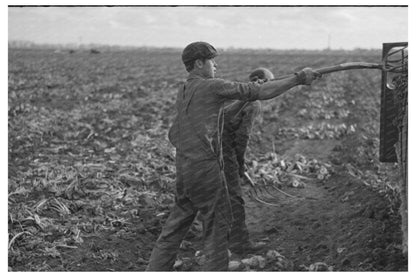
x=190 y=137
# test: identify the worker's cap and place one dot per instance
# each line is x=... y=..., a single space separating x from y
x=198 y=50
x=261 y=74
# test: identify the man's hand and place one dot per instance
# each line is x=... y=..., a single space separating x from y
x=307 y=75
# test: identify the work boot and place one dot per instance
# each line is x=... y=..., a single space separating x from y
x=247 y=247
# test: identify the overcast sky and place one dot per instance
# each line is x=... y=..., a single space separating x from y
x=241 y=27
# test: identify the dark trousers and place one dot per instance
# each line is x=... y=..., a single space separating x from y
x=200 y=187
x=239 y=233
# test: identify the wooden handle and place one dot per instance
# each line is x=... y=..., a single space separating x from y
x=348 y=66
x=340 y=67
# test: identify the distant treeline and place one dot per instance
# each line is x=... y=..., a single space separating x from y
x=20 y=44
x=103 y=48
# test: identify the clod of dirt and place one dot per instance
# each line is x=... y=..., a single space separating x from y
x=235 y=266
x=185 y=245
x=201 y=260
x=273 y=255
x=320 y=266
x=177 y=264
x=278 y=262
x=255 y=262
x=183 y=264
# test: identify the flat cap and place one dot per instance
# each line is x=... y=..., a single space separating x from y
x=261 y=74
x=198 y=50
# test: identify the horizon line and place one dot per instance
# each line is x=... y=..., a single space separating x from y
x=29 y=44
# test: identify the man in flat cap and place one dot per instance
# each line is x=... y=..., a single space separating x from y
x=196 y=134
x=238 y=121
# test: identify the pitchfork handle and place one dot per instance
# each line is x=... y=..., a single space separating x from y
x=340 y=67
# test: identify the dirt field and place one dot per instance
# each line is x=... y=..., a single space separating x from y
x=91 y=172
